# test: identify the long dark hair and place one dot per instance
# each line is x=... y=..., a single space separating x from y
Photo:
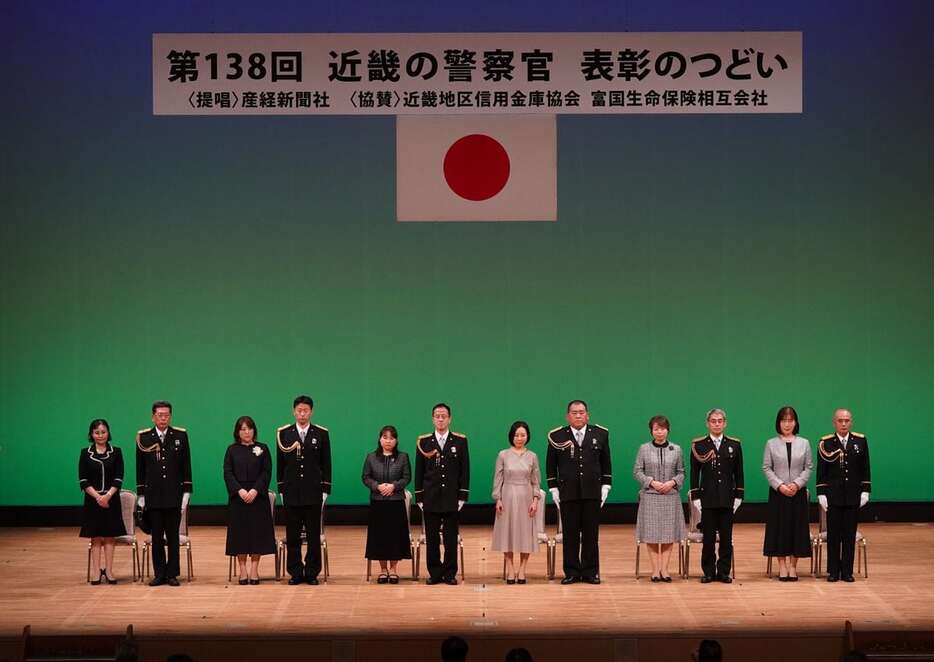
x=96 y=423
x=391 y=429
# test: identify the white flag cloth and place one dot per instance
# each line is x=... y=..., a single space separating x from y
x=476 y=168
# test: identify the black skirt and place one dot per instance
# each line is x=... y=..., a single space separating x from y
x=786 y=527
x=100 y=522
x=249 y=527
x=387 y=534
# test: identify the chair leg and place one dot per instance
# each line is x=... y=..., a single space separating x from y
x=145 y=568
x=191 y=574
x=638 y=547
x=418 y=560
x=687 y=561
x=504 y=567
x=865 y=560
x=324 y=557
x=89 y=562
x=412 y=553
x=462 y=561
x=369 y=569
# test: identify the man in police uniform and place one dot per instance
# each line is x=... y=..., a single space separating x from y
x=303 y=473
x=579 y=476
x=843 y=488
x=717 y=491
x=442 y=485
x=163 y=486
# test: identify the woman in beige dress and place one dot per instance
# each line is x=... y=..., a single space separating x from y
x=516 y=492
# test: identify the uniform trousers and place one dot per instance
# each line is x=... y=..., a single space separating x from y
x=309 y=519
x=164 y=523
x=714 y=522
x=841 y=539
x=580 y=527
x=435 y=523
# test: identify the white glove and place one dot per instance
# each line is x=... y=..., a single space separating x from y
x=420 y=505
x=863 y=499
x=554 y=495
x=460 y=504
x=604 y=493
x=324 y=497
x=697 y=505
x=822 y=500
x=141 y=501
x=736 y=503
x=186 y=497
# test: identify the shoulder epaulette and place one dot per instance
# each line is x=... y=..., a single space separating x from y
x=143 y=430
x=139 y=444
x=858 y=435
x=559 y=446
x=601 y=427
x=425 y=436
x=285 y=449
x=321 y=427
x=827 y=437
x=555 y=430
x=736 y=439
x=696 y=439
x=283 y=427
x=418 y=445
x=175 y=427
x=829 y=456
x=459 y=434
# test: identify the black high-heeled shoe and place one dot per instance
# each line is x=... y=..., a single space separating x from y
x=511 y=581
x=520 y=581
x=254 y=582
x=96 y=582
x=243 y=582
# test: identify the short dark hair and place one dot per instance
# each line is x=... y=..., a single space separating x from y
x=158 y=404
x=303 y=400
x=391 y=429
x=661 y=421
x=441 y=404
x=709 y=651
x=250 y=423
x=519 y=655
x=515 y=428
x=784 y=412
x=576 y=402
x=97 y=422
x=454 y=649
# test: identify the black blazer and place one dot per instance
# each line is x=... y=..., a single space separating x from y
x=442 y=478
x=101 y=473
x=379 y=468
x=303 y=469
x=843 y=474
x=163 y=469
x=716 y=476
x=579 y=472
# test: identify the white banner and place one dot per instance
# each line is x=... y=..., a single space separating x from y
x=478 y=73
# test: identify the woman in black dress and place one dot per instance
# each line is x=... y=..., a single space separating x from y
x=100 y=476
x=247 y=470
x=386 y=472
x=786 y=464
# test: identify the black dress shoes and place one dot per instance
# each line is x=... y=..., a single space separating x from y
x=667 y=580
x=726 y=579
x=570 y=580
x=157 y=581
x=294 y=581
x=833 y=578
x=172 y=581
x=591 y=580
x=849 y=578
x=312 y=580
x=431 y=581
x=450 y=581
x=706 y=579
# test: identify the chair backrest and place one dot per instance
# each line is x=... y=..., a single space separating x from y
x=183 y=522
x=822 y=522
x=128 y=504
x=408 y=508
x=694 y=516
x=272 y=506
x=540 y=518
x=560 y=527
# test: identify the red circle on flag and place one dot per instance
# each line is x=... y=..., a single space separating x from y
x=476 y=167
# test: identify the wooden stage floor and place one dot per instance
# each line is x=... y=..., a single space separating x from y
x=42 y=574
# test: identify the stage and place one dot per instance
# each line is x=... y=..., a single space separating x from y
x=346 y=618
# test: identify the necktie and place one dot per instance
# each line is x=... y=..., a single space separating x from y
x=301 y=433
x=579 y=436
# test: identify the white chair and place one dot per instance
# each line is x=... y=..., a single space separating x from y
x=323 y=541
x=184 y=541
x=639 y=544
x=127 y=504
x=540 y=536
x=422 y=540
x=408 y=525
x=696 y=537
x=818 y=542
x=233 y=569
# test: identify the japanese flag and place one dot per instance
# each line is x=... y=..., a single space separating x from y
x=476 y=168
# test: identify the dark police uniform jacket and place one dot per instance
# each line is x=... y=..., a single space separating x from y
x=303 y=469
x=716 y=477
x=843 y=474
x=163 y=469
x=442 y=478
x=579 y=473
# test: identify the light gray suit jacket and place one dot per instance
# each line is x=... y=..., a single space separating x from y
x=775 y=462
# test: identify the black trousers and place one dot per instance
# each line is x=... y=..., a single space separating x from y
x=717 y=521
x=309 y=519
x=435 y=523
x=580 y=525
x=164 y=523
x=841 y=539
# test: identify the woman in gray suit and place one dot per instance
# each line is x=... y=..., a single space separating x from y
x=787 y=466
x=386 y=472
